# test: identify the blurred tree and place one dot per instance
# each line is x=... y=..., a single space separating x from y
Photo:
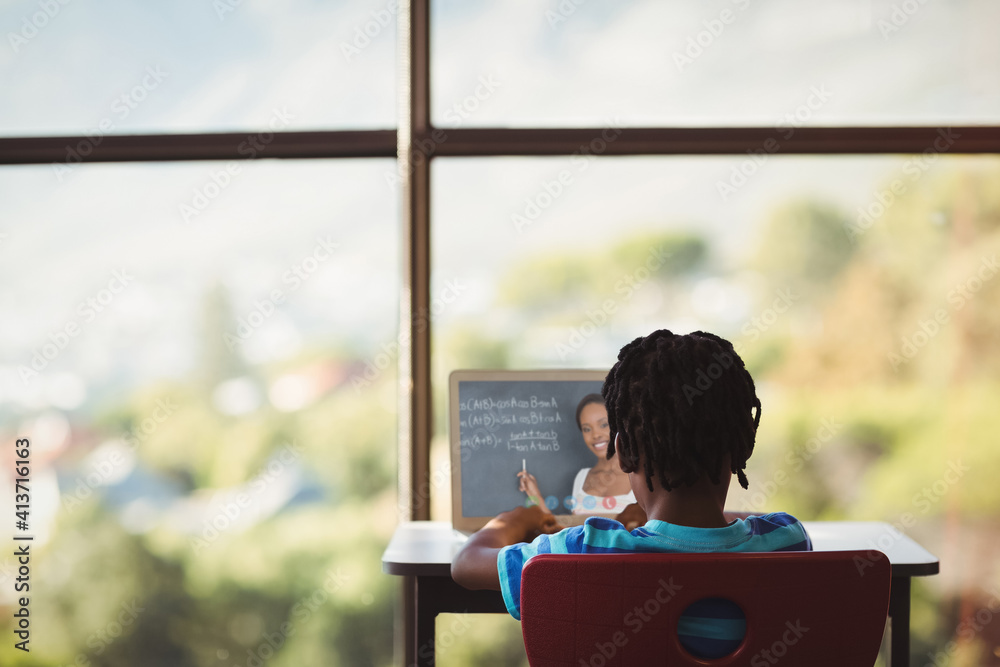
x=219 y=338
x=550 y=284
x=804 y=245
x=106 y=600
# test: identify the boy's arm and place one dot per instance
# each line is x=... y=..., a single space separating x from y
x=475 y=565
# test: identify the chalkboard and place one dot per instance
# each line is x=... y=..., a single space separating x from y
x=506 y=420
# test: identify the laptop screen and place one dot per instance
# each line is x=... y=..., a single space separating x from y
x=508 y=422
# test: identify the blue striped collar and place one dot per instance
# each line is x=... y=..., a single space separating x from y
x=735 y=533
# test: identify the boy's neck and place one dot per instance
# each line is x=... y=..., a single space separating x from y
x=699 y=505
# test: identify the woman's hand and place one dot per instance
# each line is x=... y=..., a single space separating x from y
x=632 y=517
x=529 y=485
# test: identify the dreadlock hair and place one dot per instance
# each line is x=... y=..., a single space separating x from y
x=584 y=402
x=684 y=403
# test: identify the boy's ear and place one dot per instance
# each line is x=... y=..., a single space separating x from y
x=627 y=467
x=625 y=462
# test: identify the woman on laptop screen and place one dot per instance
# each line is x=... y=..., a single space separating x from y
x=601 y=489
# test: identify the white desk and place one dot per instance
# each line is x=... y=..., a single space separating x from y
x=422 y=551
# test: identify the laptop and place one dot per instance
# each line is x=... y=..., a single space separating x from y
x=504 y=422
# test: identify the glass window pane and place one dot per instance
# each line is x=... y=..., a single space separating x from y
x=212 y=440
x=121 y=67
x=724 y=62
x=862 y=292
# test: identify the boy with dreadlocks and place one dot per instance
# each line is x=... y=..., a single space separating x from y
x=683 y=412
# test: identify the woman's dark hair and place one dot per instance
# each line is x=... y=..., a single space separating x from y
x=584 y=402
x=686 y=403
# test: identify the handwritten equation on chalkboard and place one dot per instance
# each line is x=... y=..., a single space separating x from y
x=517 y=425
x=505 y=426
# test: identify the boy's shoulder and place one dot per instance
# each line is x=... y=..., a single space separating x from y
x=602 y=523
x=591 y=524
x=766 y=532
x=774 y=518
x=595 y=535
x=768 y=527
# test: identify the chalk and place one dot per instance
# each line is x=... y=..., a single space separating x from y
x=524 y=465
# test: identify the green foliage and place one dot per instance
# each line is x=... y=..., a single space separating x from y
x=559 y=283
x=105 y=600
x=685 y=253
x=804 y=244
x=314 y=567
x=479 y=639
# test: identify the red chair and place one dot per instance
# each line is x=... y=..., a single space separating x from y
x=802 y=608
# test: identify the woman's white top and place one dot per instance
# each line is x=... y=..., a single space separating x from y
x=584 y=503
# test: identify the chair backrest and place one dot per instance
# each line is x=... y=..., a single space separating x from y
x=600 y=610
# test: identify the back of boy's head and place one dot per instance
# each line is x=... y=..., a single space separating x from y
x=684 y=404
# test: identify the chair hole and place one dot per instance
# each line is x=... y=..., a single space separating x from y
x=711 y=628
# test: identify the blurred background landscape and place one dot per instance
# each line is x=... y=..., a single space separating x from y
x=214 y=448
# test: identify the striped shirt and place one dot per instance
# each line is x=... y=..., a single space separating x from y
x=717 y=629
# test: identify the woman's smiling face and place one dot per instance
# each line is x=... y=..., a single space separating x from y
x=595 y=429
